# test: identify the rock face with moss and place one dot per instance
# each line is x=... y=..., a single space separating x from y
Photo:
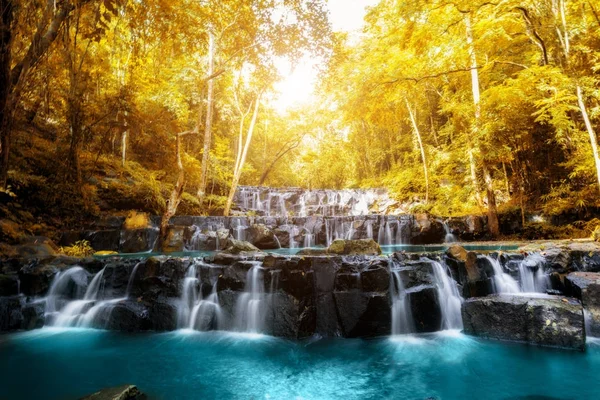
x=367 y=247
x=544 y=320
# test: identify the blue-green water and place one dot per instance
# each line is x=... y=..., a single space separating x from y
x=65 y=364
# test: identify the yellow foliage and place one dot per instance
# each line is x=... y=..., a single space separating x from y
x=137 y=220
x=81 y=248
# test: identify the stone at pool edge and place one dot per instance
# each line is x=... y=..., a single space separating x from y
x=354 y=247
x=543 y=320
x=124 y=392
x=586 y=287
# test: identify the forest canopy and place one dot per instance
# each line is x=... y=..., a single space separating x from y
x=167 y=105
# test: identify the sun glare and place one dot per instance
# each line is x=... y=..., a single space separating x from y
x=298 y=81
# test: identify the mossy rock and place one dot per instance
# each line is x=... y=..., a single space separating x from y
x=354 y=247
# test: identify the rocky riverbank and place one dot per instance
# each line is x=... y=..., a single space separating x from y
x=301 y=296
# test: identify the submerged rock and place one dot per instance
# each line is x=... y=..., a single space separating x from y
x=354 y=247
x=124 y=392
x=543 y=320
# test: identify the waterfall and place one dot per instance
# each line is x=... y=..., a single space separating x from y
x=274 y=281
x=309 y=240
x=293 y=232
x=369 y=229
x=206 y=314
x=189 y=297
x=449 y=238
x=249 y=307
x=59 y=286
x=193 y=311
x=402 y=319
x=531 y=274
x=381 y=232
x=130 y=282
x=448 y=296
x=347 y=202
x=389 y=238
x=503 y=282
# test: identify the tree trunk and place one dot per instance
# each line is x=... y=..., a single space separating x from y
x=209 y=115
x=476 y=99
x=242 y=159
x=492 y=211
x=590 y=130
x=420 y=142
x=176 y=194
x=6 y=7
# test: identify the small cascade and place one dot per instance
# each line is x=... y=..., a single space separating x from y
x=389 y=237
x=278 y=202
x=239 y=229
x=131 y=278
x=83 y=312
x=381 y=233
x=59 y=286
x=503 y=282
x=531 y=274
x=369 y=229
x=309 y=240
x=250 y=304
x=206 y=314
x=448 y=296
x=274 y=286
x=402 y=319
x=450 y=237
x=293 y=232
x=189 y=297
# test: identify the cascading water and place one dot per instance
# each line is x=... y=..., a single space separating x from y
x=531 y=274
x=59 y=286
x=402 y=319
x=189 y=297
x=131 y=278
x=250 y=304
x=206 y=314
x=503 y=282
x=448 y=296
x=450 y=237
x=195 y=312
x=369 y=229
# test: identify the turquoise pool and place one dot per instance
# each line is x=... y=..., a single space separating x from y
x=65 y=364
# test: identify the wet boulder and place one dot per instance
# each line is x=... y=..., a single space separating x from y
x=543 y=320
x=363 y=314
x=104 y=240
x=9 y=285
x=33 y=316
x=354 y=247
x=262 y=237
x=586 y=287
x=174 y=240
x=124 y=316
x=425 y=308
x=124 y=392
x=376 y=277
x=11 y=317
x=241 y=247
x=138 y=240
x=426 y=230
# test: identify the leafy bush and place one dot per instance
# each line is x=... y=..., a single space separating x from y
x=81 y=248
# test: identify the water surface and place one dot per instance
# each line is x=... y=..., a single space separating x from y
x=68 y=363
